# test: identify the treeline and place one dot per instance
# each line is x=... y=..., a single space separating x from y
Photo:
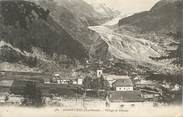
x=25 y=24
x=32 y=94
x=23 y=13
x=173 y=78
x=9 y=55
x=175 y=54
x=96 y=83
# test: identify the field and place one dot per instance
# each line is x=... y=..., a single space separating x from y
x=139 y=111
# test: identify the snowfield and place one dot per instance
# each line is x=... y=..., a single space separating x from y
x=126 y=47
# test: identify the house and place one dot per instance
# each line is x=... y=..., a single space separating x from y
x=110 y=80
x=176 y=87
x=150 y=95
x=145 y=83
x=64 y=80
x=99 y=73
x=79 y=81
x=150 y=87
x=47 y=81
x=76 y=81
x=6 y=83
x=124 y=83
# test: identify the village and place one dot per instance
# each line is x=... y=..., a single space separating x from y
x=28 y=89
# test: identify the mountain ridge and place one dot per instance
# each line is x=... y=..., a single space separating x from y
x=162 y=17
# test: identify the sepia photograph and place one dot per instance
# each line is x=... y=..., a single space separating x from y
x=90 y=58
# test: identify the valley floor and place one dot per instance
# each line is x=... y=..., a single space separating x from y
x=139 y=111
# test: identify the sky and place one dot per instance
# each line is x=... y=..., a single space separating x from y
x=127 y=6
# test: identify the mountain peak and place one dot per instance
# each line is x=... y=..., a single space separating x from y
x=25 y=25
x=23 y=12
x=162 y=17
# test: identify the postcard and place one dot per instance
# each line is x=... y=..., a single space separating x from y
x=87 y=58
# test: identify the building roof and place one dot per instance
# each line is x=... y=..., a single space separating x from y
x=4 y=90
x=4 y=93
x=126 y=96
x=23 y=75
x=6 y=83
x=20 y=83
x=147 y=83
x=61 y=86
x=116 y=77
x=60 y=89
x=122 y=83
x=144 y=82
